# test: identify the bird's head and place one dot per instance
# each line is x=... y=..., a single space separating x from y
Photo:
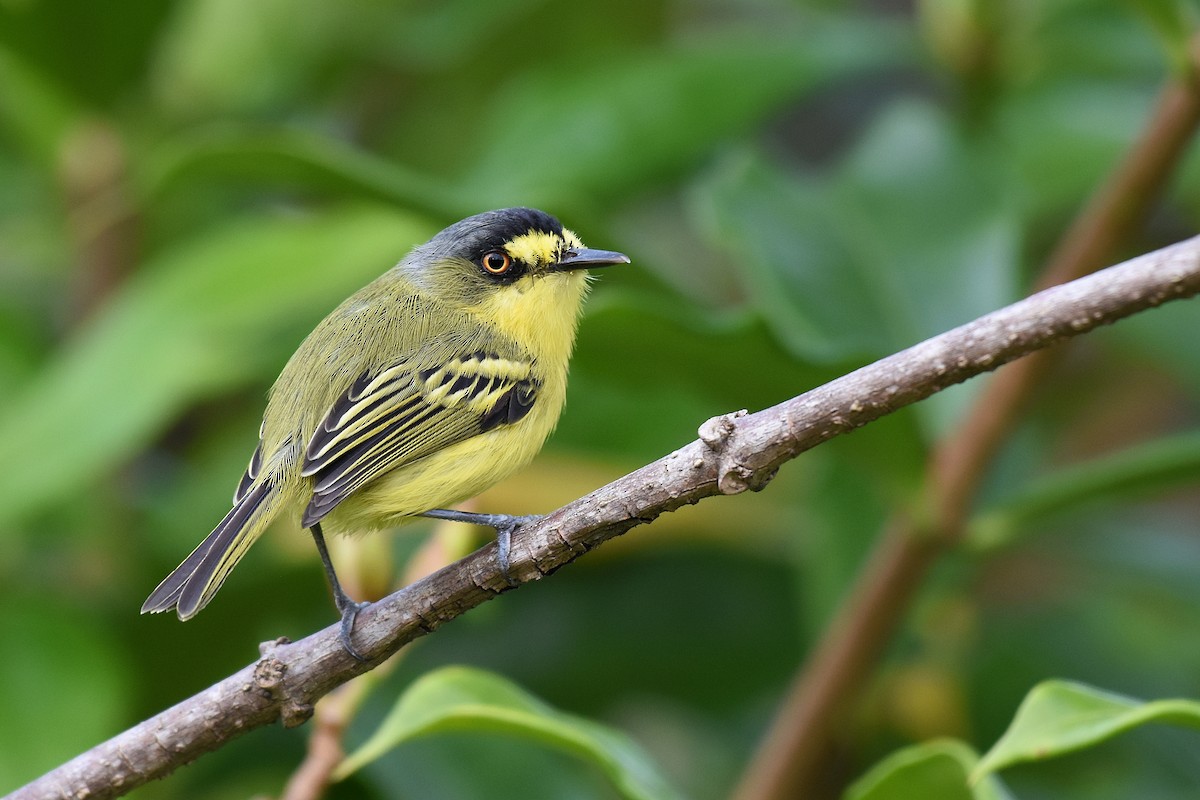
x=512 y=256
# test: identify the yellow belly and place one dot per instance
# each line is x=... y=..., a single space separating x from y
x=452 y=475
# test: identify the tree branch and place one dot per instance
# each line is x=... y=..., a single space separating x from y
x=735 y=452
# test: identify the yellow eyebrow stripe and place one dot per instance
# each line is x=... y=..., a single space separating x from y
x=538 y=248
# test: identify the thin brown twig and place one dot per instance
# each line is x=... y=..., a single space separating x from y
x=735 y=452
x=311 y=779
x=789 y=762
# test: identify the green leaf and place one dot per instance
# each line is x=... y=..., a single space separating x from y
x=781 y=233
x=467 y=699
x=1140 y=470
x=295 y=158
x=930 y=213
x=1163 y=339
x=1059 y=717
x=580 y=131
x=222 y=56
x=914 y=235
x=679 y=347
x=94 y=52
x=210 y=314
x=1175 y=21
x=606 y=127
x=937 y=769
x=33 y=110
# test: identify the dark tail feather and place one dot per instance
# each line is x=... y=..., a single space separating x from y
x=194 y=582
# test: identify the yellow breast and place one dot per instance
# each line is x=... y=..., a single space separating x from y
x=542 y=316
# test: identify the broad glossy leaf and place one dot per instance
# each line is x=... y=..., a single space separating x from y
x=204 y=316
x=1059 y=717
x=937 y=769
x=467 y=699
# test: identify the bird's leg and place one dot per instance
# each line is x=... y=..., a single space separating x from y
x=504 y=525
x=345 y=606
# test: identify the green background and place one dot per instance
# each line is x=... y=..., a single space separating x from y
x=187 y=187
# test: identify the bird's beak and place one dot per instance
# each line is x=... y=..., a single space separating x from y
x=584 y=258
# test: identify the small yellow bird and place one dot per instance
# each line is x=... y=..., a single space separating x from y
x=440 y=378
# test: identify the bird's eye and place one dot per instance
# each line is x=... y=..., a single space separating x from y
x=496 y=262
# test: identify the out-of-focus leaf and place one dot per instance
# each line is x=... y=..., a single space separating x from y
x=937 y=769
x=579 y=132
x=54 y=710
x=1175 y=21
x=1157 y=337
x=1074 y=42
x=1083 y=87
x=17 y=356
x=1152 y=467
x=628 y=342
x=931 y=215
x=462 y=698
x=916 y=234
x=29 y=246
x=780 y=231
x=445 y=35
x=33 y=110
x=93 y=51
x=848 y=495
x=203 y=317
x=221 y=56
x=1059 y=717
x=1064 y=137
x=297 y=159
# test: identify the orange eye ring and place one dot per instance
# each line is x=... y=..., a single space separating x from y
x=497 y=262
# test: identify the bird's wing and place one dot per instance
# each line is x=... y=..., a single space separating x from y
x=251 y=472
x=394 y=416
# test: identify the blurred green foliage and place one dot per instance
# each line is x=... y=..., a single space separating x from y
x=186 y=187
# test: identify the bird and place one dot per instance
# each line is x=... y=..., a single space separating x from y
x=443 y=376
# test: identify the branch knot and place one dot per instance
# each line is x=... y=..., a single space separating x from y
x=269 y=679
x=732 y=476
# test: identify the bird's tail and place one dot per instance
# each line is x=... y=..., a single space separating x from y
x=194 y=582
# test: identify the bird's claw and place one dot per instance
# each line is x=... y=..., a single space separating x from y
x=504 y=532
x=349 y=613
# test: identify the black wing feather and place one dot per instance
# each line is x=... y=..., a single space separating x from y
x=395 y=416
